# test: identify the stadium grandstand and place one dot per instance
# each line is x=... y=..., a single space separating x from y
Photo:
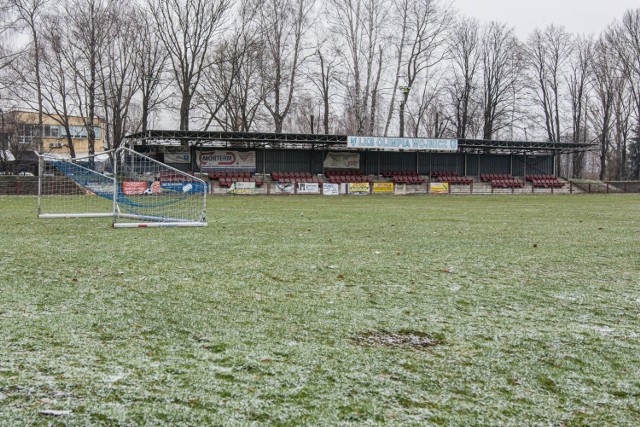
x=270 y=163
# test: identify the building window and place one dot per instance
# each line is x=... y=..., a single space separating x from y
x=78 y=132
x=51 y=131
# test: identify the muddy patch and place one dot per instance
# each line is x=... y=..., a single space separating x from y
x=407 y=339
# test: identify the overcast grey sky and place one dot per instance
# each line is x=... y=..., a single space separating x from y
x=577 y=16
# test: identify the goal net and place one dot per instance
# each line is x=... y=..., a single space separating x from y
x=148 y=193
x=133 y=189
x=80 y=187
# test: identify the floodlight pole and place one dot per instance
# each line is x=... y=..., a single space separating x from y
x=405 y=93
x=4 y=139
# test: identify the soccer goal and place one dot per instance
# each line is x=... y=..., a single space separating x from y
x=133 y=189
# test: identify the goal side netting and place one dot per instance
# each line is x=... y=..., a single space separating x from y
x=148 y=193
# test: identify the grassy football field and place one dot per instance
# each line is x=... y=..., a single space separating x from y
x=323 y=311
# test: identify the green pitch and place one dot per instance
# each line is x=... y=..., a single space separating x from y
x=324 y=311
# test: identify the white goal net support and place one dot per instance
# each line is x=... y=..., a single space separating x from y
x=133 y=189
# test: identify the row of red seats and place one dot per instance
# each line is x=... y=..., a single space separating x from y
x=487 y=177
x=507 y=183
x=295 y=180
x=408 y=179
x=233 y=174
x=329 y=173
x=390 y=174
x=340 y=179
x=547 y=183
x=227 y=182
x=279 y=176
x=539 y=176
x=460 y=180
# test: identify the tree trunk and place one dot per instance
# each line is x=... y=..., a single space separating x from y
x=185 y=105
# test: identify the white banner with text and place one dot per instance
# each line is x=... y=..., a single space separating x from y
x=342 y=160
x=226 y=160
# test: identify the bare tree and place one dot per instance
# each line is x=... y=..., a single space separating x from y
x=58 y=77
x=29 y=15
x=282 y=26
x=625 y=39
x=118 y=79
x=151 y=63
x=548 y=52
x=465 y=63
x=358 y=27
x=427 y=113
x=89 y=29
x=247 y=96
x=323 y=78
x=622 y=122
x=425 y=25
x=225 y=95
x=501 y=67
x=605 y=85
x=187 y=29
x=579 y=77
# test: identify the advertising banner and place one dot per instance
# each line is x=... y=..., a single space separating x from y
x=330 y=189
x=342 y=160
x=308 y=188
x=242 y=188
x=409 y=144
x=383 y=187
x=177 y=155
x=184 y=187
x=100 y=188
x=285 y=188
x=131 y=188
x=358 y=188
x=439 y=188
x=225 y=160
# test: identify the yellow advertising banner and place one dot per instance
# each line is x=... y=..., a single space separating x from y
x=242 y=188
x=383 y=187
x=439 y=188
x=358 y=188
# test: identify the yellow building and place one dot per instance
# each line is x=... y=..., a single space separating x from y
x=21 y=126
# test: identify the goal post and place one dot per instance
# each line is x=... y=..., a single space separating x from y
x=131 y=188
x=149 y=193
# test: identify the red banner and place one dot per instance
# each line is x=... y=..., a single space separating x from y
x=130 y=188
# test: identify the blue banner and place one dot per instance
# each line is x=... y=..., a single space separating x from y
x=185 y=187
x=395 y=144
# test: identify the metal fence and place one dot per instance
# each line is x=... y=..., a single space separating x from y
x=19 y=185
x=605 y=187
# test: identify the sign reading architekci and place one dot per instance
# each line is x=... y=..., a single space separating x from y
x=394 y=144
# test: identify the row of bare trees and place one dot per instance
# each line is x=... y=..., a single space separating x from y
x=378 y=67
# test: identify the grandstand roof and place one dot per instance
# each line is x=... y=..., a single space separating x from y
x=255 y=140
